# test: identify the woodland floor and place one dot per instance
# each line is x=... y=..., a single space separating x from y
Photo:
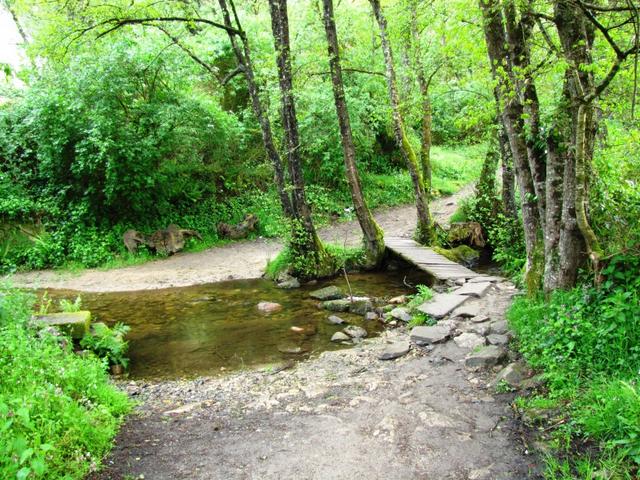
x=238 y=260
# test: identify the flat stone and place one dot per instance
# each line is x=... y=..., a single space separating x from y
x=269 y=307
x=336 y=305
x=360 y=307
x=340 y=337
x=469 y=340
x=480 y=319
x=459 y=281
x=485 y=357
x=470 y=310
x=497 y=339
x=327 y=293
x=441 y=304
x=473 y=289
x=355 y=332
x=513 y=375
x=484 y=278
x=500 y=327
x=427 y=335
x=335 y=320
x=395 y=350
x=370 y=316
x=75 y=324
x=401 y=313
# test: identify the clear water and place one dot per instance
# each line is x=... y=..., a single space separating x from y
x=208 y=329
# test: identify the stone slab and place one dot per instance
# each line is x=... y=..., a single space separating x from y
x=486 y=357
x=467 y=310
x=427 y=335
x=485 y=279
x=442 y=303
x=75 y=324
x=395 y=350
x=473 y=289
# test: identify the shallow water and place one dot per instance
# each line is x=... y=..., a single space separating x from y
x=207 y=329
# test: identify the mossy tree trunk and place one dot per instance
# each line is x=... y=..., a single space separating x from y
x=425 y=232
x=373 y=236
x=304 y=243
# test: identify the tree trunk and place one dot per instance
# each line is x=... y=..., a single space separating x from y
x=424 y=230
x=305 y=243
x=512 y=116
x=373 y=236
x=243 y=57
x=508 y=175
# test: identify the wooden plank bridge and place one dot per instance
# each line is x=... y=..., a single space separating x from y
x=427 y=260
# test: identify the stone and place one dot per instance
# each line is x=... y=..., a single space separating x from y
x=480 y=319
x=427 y=335
x=441 y=304
x=401 y=313
x=289 y=284
x=459 y=281
x=75 y=324
x=470 y=310
x=327 y=293
x=360 y=307
x=297 y=329
x=355 y=332
x=513 y=375
x=479 y=328
x=335 y=320
x=484 y=278
x=340 y=337
x=292 y=349
x=469 y=340
x=370 y=316
x=485 y=357
x=499 y=327
x=398 y=300
x=497 y=339
x=477 y=289
x=341 y=305
x=269 y=307
x=395 y=350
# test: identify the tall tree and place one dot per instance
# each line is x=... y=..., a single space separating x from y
x=373 y=236
x=425 y=232
x=305 y=243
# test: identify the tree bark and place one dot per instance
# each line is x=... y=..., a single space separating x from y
x=305 y=242
x=424 y=230
x=508 y=175
x=373 y=236
x=243 y=57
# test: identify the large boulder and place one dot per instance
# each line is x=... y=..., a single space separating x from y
x=241 y=230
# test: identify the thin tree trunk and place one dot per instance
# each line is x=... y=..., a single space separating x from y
x=508 y=175
x=373 y=236
x=424 y=230
x=243 y=57
x=305 y=242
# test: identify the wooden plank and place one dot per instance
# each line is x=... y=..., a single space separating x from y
x=427 y=260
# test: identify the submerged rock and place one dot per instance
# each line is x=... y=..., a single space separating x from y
x=327 y=293
x=269 y=307
x=371 y=316
x=292 y=349
x=335 y=320
x=336 y=305
x=289 y=283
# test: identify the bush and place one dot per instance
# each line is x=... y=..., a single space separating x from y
x=58 y=411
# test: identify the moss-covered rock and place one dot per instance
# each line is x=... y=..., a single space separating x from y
x=75 y=324
x=460 y=254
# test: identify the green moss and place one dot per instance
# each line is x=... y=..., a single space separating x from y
x=459 y=254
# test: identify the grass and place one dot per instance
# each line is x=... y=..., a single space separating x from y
x=59 y=412
x=587 y=343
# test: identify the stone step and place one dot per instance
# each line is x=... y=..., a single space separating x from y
x=442 y=304
x=75 y=324
x=473 y=289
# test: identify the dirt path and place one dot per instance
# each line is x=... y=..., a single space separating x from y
x=342 y=415
x=234 y=261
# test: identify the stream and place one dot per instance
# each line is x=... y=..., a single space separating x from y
x=215 y=328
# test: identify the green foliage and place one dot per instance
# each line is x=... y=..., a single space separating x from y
x=58 y=411
x=423 y=294
x=108 y=343
x=587 y=342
